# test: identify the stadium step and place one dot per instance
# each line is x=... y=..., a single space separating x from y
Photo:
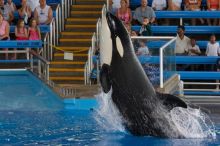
x=76 y=38
x=81 y=21
x=75 y=35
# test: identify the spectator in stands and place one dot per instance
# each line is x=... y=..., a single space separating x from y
x=20 y=33
x=212 y=5
x=116 y=3
x=34 y=30
x=174 y=5
x=24 y=12
x=212 y=50
x=33 y=4
x=159 y=5
x=124 y=13
x=193 y=5
x=143 y=49
x=4 y=31
x=7 y=14
x=212 y=47
x=11 y=6
x=145 y=28
x=142 y=12
x=43 y=13
x=193 y=49
x=135 y=42
x=182 y=41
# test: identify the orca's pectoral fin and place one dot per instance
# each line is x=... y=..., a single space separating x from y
x=171 y=101
x=105 y=78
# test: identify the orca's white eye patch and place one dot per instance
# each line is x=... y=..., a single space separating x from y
x=119 y=46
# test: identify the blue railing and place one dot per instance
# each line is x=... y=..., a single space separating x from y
x=43 y=28
x=21 y=44
x=188 y=29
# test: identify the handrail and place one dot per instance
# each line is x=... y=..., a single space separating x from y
x=161 y=60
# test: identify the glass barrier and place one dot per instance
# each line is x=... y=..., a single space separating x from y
x=149 y=51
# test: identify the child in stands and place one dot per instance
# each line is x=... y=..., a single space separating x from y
x=193 y=49
x=145 y=28
x=143 y=49
x=212 y=50
x=34 y=30
x=20 y=33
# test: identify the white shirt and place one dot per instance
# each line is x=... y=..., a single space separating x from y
x=116 y=4
x=195 y=48
x=159 y=4
x=143 y=51
x=43 y=14
x=182 y=45
x=212 y=49
x=33 y=4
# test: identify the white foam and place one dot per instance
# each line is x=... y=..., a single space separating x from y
x=192 y=123
x=107 y=115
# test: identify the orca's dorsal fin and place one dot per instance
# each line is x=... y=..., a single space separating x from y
x=171 y=101
x=105 y=78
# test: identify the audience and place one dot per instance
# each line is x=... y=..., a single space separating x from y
x=33 y=4
x=6 y=12
x=20 y=33
x=174 y=5
x=24 y=12
x=159 y=5
x=34 y=30
x=11 y=6
x=212 y=47
x=193 y=5
x=145 y=28
x=43 y=13
x=124 y=13
x=193 y=49
x=142 y=12
x=212 y=5
x=182 y=41
x=135 y=42
x=4 y=31
x=143 y=49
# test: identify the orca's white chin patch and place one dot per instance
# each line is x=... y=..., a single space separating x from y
x=105 y=42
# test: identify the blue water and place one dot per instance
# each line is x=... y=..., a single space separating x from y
x=30 y=114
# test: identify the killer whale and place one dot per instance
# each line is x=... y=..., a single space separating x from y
x=141 y=107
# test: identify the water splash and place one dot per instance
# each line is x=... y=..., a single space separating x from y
x=192 y=123
x=107 y=115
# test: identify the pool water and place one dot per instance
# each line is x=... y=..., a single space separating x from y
x=31 y=114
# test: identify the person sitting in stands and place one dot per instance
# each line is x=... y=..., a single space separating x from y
x=43 y=13
x=33 y=4
x=135 y=42
x=159 y=5
x=124 y=13
x=34 y=30
x=212 y=5
x=4 y=31
x=193 y=5
x=20 y=33
x=11 y=6
x=145 y=28
x=212 y=50
x=212 y=47
x=182 y=41
x=173 y=5
x=142 y=12
x=193 y=49
x=24 y=12
x=7 y=14
x=143 y=49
